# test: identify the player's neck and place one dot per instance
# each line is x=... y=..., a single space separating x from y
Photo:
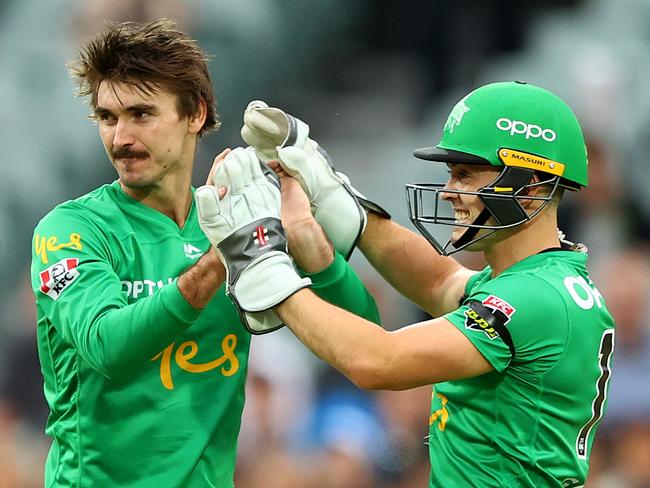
x=529 y=239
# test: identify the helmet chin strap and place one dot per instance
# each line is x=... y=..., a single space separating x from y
x=470 y=232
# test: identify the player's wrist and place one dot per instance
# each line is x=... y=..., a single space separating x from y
x=309 y=246
x=199 y=283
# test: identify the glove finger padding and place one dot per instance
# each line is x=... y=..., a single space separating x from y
x=332 y=201
x=293 y=161
x=266 y=128
x=208 y=205
x=245 y=228
x=336 y=205
x=229 y=173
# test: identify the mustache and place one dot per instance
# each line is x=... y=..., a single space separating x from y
x=127 y=152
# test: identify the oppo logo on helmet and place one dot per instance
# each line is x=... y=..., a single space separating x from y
x=529 y=130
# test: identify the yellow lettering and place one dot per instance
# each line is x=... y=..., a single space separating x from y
x=39 y=247
x=227 y=346
x=188 y=350
x=482 y=323
x=441 y=414
x=43 y=245
x=166 y=366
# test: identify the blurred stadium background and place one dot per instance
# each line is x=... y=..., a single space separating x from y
x=375 y=79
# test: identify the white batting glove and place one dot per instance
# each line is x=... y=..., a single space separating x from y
x=244 y=226
x=337 y=206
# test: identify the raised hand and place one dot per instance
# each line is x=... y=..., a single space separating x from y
x=240 y=214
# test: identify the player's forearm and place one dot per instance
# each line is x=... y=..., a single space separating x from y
x=199 y=283
x=309 y=246
x=119 y=339
x=130 y=335
x=354 y=346
x=408 y=262
x=332 y=277
x=338 y=284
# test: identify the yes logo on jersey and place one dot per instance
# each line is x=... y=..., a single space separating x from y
x=44 y=245
x=58 y=277
x=491 y=312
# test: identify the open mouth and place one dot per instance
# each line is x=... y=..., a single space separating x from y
x=461 y=216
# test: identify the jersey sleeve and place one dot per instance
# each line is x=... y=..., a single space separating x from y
x=341 y=286
x=78 y=292
x=514 y=319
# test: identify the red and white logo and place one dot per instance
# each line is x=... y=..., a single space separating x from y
x=261 y=236
x=497 y=303
x=57 y=277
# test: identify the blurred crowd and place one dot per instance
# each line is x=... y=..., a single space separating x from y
x=375 y=80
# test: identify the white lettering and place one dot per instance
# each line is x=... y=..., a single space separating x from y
x=582 y=293
x=519 y=127
x=136 y=288
x=128 y=286
x=151 y=285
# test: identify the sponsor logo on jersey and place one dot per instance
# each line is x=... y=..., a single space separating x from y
x=138 y=288
x=43 y=245
x=440 y=415
x=501 y=310
x=192 y=252
x=529 y=131
x=497 y=304
x=227 y=363
x=58 y=277
x=583 y=292
x=475 y=322
x=261 y=236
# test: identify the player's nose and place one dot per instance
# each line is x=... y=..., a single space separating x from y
x=123 y=134
x=449 y=195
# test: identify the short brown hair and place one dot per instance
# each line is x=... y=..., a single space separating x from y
x=148 y=56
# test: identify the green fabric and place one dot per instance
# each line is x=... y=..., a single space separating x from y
x=521 y=424
x=339 y=284
x=143 y=390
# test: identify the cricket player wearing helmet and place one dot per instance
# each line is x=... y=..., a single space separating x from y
x=519 y=353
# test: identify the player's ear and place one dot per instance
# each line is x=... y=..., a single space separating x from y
x=197 y=120
x=531 y=190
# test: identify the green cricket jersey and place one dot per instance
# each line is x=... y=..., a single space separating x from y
x=143 y=390
x=545 y=329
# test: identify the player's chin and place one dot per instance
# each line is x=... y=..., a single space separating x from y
x=136 y=181
x=475 y=245
x=457 y=233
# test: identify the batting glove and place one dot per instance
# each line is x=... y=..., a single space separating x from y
x=244 y=226
x=337 y=206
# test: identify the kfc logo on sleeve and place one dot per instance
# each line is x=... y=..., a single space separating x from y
x=497 y=304
x=58 y=277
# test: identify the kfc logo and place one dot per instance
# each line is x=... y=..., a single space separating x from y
x=496 y=303
x=58 y=277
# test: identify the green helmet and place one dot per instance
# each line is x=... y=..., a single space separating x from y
x=518 y=127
